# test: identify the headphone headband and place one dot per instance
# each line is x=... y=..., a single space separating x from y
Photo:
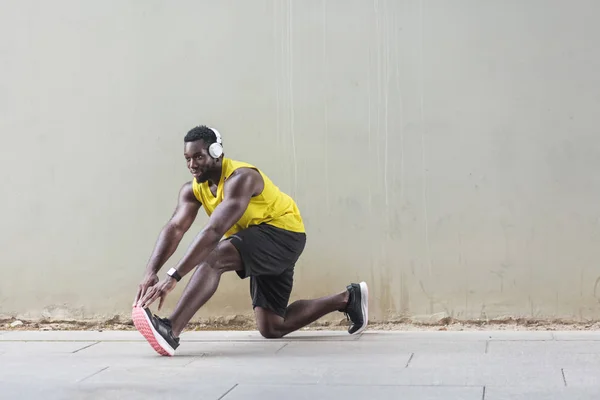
x=217 y=134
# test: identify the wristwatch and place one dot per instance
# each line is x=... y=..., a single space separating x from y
x=174 y=274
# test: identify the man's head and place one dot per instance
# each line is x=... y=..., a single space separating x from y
x=200 y=162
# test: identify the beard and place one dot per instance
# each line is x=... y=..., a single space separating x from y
x=201 y=178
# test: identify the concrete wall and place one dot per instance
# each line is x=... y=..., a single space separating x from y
x=445 y=151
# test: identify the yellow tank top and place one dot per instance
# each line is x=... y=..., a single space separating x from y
x=271 y=206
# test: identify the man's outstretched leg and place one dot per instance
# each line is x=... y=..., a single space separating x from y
x=163 y=333
x=353 y=302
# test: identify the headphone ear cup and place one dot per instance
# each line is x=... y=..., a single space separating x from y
x=215 y=150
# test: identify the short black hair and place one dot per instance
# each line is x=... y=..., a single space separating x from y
x=201 y=132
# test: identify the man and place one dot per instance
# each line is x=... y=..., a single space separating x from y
x=255 y=230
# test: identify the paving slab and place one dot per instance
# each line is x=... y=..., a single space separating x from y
x=583 y=376
x=128 y=354
x=41 y=348
x=223 y=349
x=71 y=336
x=305 y=365
x=499 y=376
x=577 y=335
x=49 y=372
x=308 y=392
x=366 y=348
x=544 y=347
x=510 y=393
x=40 y=390
x=142 y=391
x=480 y=369
x=526 y=361
x=129 y=391
x=468 y=336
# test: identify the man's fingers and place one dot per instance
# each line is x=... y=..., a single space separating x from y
x=143 y=292
x=147 y=297
x=162 y=300
x=139 y=294
x=150 y=297
x=147 y=292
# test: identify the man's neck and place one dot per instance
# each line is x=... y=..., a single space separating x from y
x=214 y=180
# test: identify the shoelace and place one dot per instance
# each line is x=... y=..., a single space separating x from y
x=167 y=323
x=163 y=320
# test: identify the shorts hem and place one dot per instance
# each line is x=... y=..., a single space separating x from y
x=237 y=243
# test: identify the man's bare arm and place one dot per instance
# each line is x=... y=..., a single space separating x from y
x=171 y=234
x=169 y=238
x=239 y=189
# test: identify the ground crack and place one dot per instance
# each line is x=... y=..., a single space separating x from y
x=86 y=347
x=94 y=374
x=227 y=392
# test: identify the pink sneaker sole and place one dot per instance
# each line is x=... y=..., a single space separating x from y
x=144 y=326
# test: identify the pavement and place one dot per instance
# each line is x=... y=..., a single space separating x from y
x=494 y=365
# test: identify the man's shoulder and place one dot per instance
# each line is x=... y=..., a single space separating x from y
x=246 y=174
x=190 y=192
x=187 y=187
x=237 y=167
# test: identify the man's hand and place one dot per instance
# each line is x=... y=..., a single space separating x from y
x=170 y=237
x=150 y=279
x=159 y=291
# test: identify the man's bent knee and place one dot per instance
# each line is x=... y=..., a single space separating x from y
x=224 y=257
x=270 y=333
x=268 y=323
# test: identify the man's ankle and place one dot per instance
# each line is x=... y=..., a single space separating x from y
x=346 y=299
x=175 y=331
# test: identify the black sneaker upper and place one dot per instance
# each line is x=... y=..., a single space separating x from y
x=163 y=327
x=353 y=309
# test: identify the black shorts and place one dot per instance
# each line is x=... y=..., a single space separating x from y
x=269 y=255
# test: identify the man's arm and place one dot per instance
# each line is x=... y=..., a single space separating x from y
x=170 y=236
x=238 y=190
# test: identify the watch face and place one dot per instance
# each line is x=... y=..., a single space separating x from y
x=173 y=274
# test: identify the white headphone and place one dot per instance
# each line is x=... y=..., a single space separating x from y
x=216 y=149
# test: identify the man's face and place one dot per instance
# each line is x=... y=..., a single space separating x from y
x=199 y=162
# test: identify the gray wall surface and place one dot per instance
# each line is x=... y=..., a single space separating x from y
x=445 y=151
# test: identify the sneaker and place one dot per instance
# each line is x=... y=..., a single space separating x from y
x=357 y=308
x=157 y=331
